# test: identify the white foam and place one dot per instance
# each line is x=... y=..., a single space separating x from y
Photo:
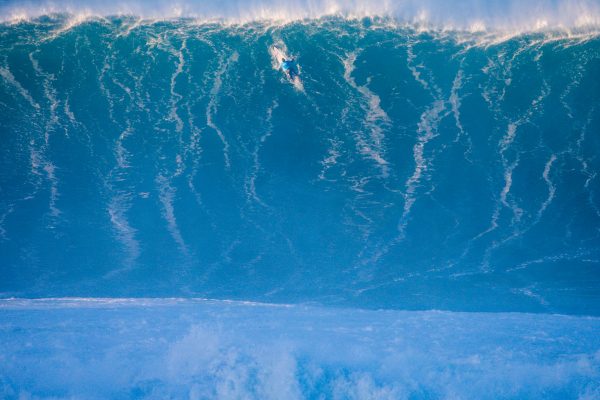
x=465 y=15
x=427 y=130
x=69 y=113
x=7 y=211
x=375 y=118
x=251 y=180
x=11 y=80
x=590 y=175
x=455 y=102
x=211 y=108
x=551 y=187
x=167 y=198
x=50 y=170
x=414 y=69
x=333 y=153
x=74 y=20
x=117 y=210
x=176 y=97
x=196 y=349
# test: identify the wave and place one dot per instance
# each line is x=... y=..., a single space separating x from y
x=173 y=156
x=470 y=15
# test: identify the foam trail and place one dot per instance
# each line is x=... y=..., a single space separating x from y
x=509 y=167
x=577 y=255
x=529 y=292
x=8 y=210
x=504 y=144
x=455 y=102
x=517 y=213
x=69 y=113
x=251 y=181
x=50 y=170
x=508 y=176
x=375 y=117
x=50 y=94
x=585 y=169
x=119 y=203
x=176 y=97
x=106 y=93
x=426 y=131
x=551 y=187
x=410 y=57
x=333 y=153
x=117 y=210
x=10 y=79
x=510 y=137
x=211 y=109
x=494 y=105
x=196 y=150
x=167 y=197
x=48 y=166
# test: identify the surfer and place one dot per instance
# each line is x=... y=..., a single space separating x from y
x=288 y=67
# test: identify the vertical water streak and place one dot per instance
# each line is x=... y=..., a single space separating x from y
x=118 y=208
x=211 y=109
x=120 y=200
x=51 y=122
x=256 y=166
x=167 y=198
x=509 y=166
x=375 y=118
x=551 y=188
x=427 y=129
x=194 y=148
x=585 y=168
x=9 y=78
x=176 y=97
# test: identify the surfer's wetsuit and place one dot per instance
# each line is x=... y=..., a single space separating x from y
x=288 y=67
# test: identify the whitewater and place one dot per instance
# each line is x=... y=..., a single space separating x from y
x=419 y=219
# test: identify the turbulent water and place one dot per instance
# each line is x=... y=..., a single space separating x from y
x=174 y=349
x=414 y=169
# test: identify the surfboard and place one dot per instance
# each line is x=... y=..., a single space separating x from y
x=279 y=55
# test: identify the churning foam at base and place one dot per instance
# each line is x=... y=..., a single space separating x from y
x=175 y=348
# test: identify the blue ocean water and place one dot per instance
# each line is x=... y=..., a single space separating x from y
x=435 y=157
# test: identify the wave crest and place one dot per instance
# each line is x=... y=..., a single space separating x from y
x=463 y=15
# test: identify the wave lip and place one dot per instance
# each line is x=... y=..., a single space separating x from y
x=463 y=15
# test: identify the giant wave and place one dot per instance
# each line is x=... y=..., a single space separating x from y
x=435 y=158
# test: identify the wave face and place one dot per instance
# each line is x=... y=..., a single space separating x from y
x=416 y=170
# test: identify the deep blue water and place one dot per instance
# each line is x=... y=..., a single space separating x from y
x=414 y=169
